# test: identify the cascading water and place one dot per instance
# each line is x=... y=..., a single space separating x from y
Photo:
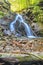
x=26 y=26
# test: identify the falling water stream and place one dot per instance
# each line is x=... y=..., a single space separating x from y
x=27 y=28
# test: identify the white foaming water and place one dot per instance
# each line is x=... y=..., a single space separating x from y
x=26 y=26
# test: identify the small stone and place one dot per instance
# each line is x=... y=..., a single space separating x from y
x=7 y=32
x=1 y=49
x=8 y=48
x=31 y=41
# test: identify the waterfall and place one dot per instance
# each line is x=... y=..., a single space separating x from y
x=26 y=26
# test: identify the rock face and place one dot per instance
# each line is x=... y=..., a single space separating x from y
x=4 y=24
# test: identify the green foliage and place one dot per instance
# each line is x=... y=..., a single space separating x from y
x=17 y=5
x=1 y=14
x=38 y=14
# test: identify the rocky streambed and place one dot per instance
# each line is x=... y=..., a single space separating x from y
x=21 y=47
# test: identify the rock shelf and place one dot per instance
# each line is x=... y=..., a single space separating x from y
x=17 y=45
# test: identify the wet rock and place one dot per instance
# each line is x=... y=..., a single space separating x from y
x=35 y=27
x=3 y=22
x=7 y=32
x=17 y=35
